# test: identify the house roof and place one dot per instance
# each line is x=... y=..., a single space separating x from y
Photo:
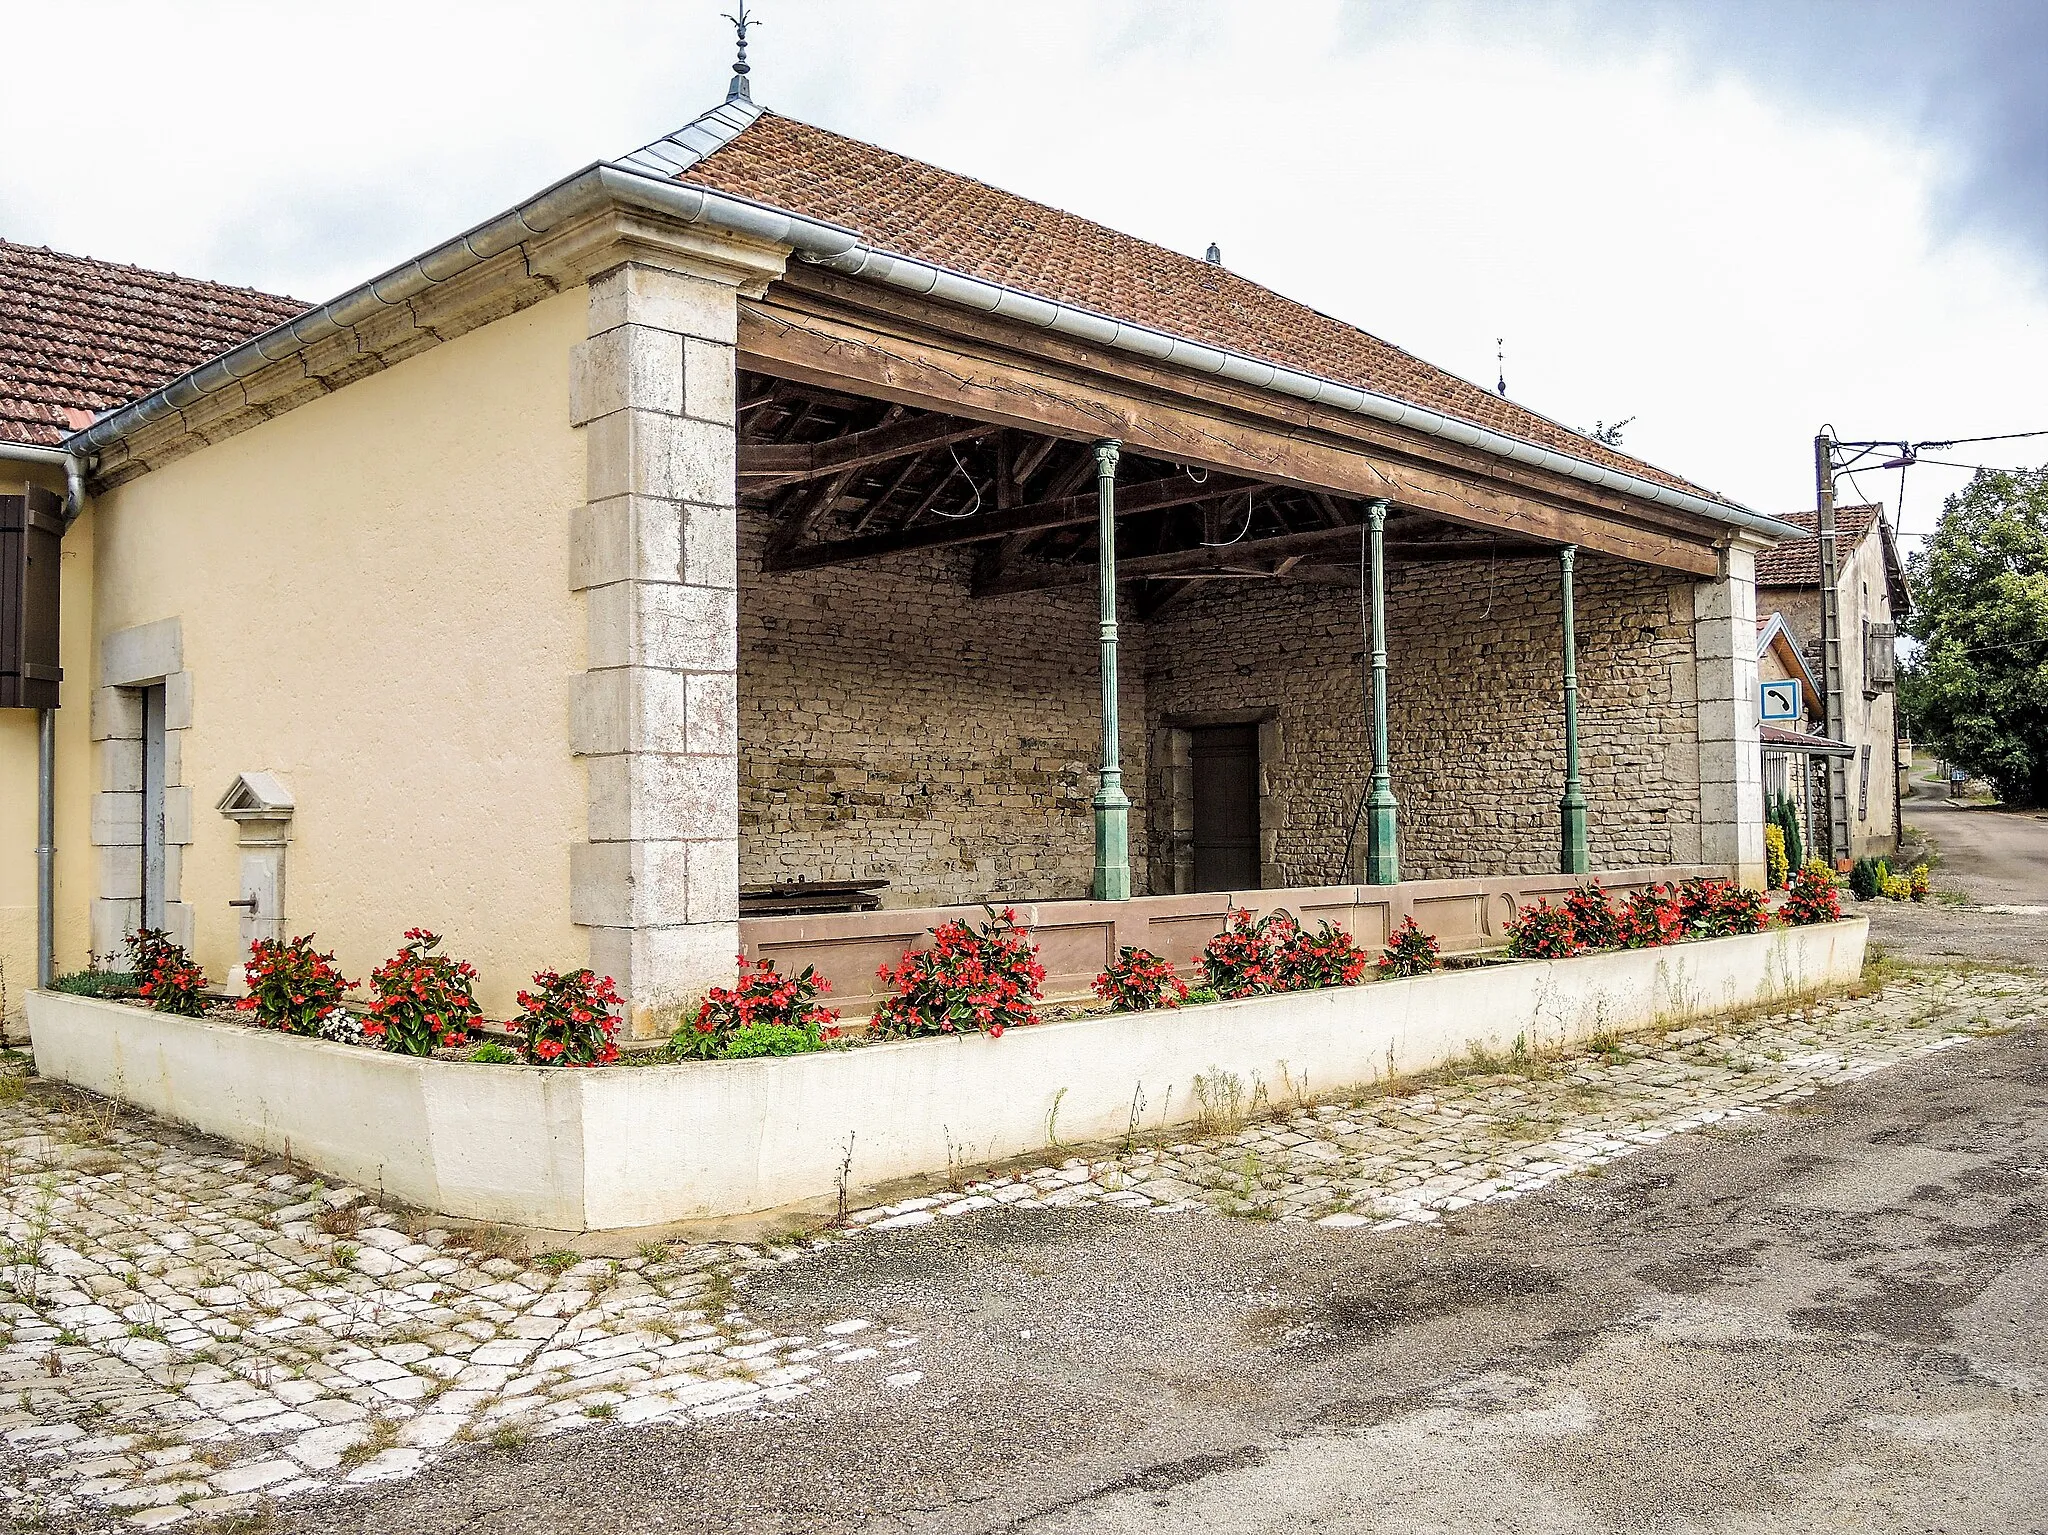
x=1796 y=561
x=79 y=336
x=918 y=210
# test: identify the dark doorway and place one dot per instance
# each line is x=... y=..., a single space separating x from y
x=1226 y=793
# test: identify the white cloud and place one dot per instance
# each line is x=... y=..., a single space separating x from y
x=1730 y=267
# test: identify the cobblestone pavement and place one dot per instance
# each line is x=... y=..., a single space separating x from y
x=190 y=1333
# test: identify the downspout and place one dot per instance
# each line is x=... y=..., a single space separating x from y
x=46 y=738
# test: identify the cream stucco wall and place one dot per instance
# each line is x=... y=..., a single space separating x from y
x=375 y=605
x=74 y=788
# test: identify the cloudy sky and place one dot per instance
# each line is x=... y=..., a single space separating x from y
x=1729 y=221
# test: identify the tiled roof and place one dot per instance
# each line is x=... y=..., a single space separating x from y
x=79 y=337
x=1796 y=562
x=913 y=209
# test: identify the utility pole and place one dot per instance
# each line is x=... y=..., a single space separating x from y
x=1831 y=644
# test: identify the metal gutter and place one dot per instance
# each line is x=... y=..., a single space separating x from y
x=842 y=250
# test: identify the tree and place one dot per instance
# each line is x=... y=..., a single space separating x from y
x=1979 y=687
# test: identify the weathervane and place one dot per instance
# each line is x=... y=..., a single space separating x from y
x=738 y=90
x=1500 y=358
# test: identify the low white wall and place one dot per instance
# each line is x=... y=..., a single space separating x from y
x=649 y=1145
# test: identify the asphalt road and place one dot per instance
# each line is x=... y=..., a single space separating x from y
x=1994 y=856
x=1822 y=1320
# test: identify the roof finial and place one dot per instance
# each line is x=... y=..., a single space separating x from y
x=1215 y=256
x=1500 y=358
x=738 y=90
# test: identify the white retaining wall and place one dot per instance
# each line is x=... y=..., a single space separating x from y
x=643 y=1146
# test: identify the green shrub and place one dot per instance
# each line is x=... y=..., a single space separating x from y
x=1776 y=869
x=1867 y=877
x=490 y=1053
x=752 y=1040
x=99 y=983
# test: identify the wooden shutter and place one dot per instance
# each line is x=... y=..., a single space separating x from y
x=1880 y=662
x=31 y=538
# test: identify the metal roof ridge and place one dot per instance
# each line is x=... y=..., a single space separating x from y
x=697 y=140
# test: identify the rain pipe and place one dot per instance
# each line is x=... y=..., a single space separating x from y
x=46 y=732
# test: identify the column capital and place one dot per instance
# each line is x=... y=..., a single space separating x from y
x=1107 y=451
x=1376 y=513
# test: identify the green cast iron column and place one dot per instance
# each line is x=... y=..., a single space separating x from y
x=1112 y=807
x=1382 y=838
x=1573 y=858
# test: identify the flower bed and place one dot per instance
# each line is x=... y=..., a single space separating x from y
x=608 y=1149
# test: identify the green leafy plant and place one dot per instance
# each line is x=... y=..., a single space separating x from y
x=1867 y=877
x=985 y=978
x=753 y=1040
x=778 y=1014
x=1409 y=951
x=1140 y=981
x=1541 y=931
x=568 y=1020
x=1775 y=867
x=93 y=982
x=1785 y=816
x=424 y=1000
x=292 y=986
x=491 y=1053
x=168 y=980
x=1811 y=896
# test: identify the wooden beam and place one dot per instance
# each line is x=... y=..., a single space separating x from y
x=1069 y=511
x=1288 y=550
x=786 y=463
x=944 y=374
x=901 y=313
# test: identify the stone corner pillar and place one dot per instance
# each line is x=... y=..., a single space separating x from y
x=1731 y=756
x=655 y=715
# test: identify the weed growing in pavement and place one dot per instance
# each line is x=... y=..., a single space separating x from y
x=379 y=1435
x=511 y=1436
x=489 y=1242
x=1482 y=1062
x=601 y=1410
x=1052 y=1120
x=560 y=1261
x=345 y=1255
x=841 y=1178
x=652 y=1252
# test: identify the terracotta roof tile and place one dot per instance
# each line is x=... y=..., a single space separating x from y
x=914 y=209
x=79 y=337
x=1796 y=562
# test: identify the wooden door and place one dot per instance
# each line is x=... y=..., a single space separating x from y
x=1226 y=794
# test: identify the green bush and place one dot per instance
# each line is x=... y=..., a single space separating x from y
x=99 y=983
x=491 y=1053
x=1867 y=877
x=758 y=1039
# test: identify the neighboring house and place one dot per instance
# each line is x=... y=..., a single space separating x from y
x=723 y=521
x=77 y=338
x=1872 y=597
x=1795 y=751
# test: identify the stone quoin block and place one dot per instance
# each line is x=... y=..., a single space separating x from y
x=673 y=301
x=632 y=367
x=625 y=538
